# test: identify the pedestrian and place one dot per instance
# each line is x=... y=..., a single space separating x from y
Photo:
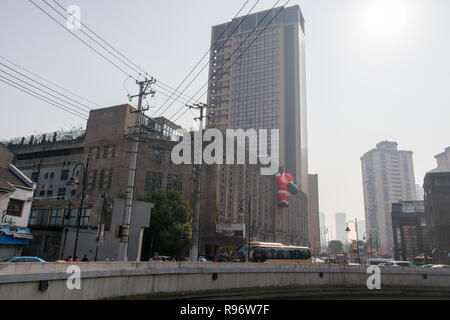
x=70 y=259
x=85 y=258
x=75 y=259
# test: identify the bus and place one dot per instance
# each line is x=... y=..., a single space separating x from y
x=261 y=252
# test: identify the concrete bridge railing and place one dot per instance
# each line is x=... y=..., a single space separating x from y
x=120 y=279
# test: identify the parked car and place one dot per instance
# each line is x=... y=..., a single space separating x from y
x=162 y=259
x=22 y=260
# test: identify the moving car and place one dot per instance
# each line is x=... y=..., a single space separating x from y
x=316 y=260
x=440 y=266
x=396 y=264
x=22 y=260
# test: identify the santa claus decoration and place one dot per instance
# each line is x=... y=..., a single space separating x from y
x=286 y=189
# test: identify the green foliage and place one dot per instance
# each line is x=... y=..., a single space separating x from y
x=171 y=223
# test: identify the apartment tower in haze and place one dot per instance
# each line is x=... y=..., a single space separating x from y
x=388 y=177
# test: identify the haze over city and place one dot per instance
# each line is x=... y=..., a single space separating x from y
x=370 y=76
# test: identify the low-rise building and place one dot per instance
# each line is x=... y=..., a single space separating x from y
x=410 y=230
x=55 y=231
x=16 y=196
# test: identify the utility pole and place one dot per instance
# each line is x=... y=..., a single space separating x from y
x=197 y=173
x=101 y=229
x=66 y=215
x=144 y=90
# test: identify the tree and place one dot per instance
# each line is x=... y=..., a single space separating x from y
x=171 y=223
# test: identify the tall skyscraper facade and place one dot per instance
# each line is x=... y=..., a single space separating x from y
x=341 y=226
x=388 y=177
x=257 y=81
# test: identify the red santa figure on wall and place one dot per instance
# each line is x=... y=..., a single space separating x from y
x=286 y=189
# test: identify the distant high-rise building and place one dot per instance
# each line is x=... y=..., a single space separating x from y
x=443 y=161
x=341 y=226
x=313 y=213
x=388 y=177
x=420 y=192
x=258 y=81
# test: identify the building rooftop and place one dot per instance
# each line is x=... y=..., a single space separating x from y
x=287 y=15
x=11 y=178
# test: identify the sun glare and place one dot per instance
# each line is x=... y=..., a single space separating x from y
x=386 y=18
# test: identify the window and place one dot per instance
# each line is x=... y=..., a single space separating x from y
x=109 y=152
x=153 y=181
x=62 y=193
x=56 y=217
x=15 y=208
x=156 y=154
x=32 y=218
x=92 y=178
x=106 y=177
x=35 y=176
x=42 y=193
x=52 y=175
x=85 y=218
x=64 y=175
x=94 y=152
x=174 y=182
x=49 y=193
x=73 y=218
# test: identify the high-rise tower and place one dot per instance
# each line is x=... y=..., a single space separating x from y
x=257 y=81
x=388 y=177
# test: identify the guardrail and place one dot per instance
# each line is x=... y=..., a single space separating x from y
x=101 y=280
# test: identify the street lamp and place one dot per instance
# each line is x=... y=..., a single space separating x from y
x=357 y=236
x=73 y=181
x=249 y=199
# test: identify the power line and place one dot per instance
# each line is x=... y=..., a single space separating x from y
x=245 y=50
x=45 y=99
x=231 y=56
x=33 y=86
x=110 y=46
x=50 y=82
x=207 y=63
x=201 y=59
x=85 y=106
x=88 y=45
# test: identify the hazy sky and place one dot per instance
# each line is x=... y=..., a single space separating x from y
x=376 y=70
